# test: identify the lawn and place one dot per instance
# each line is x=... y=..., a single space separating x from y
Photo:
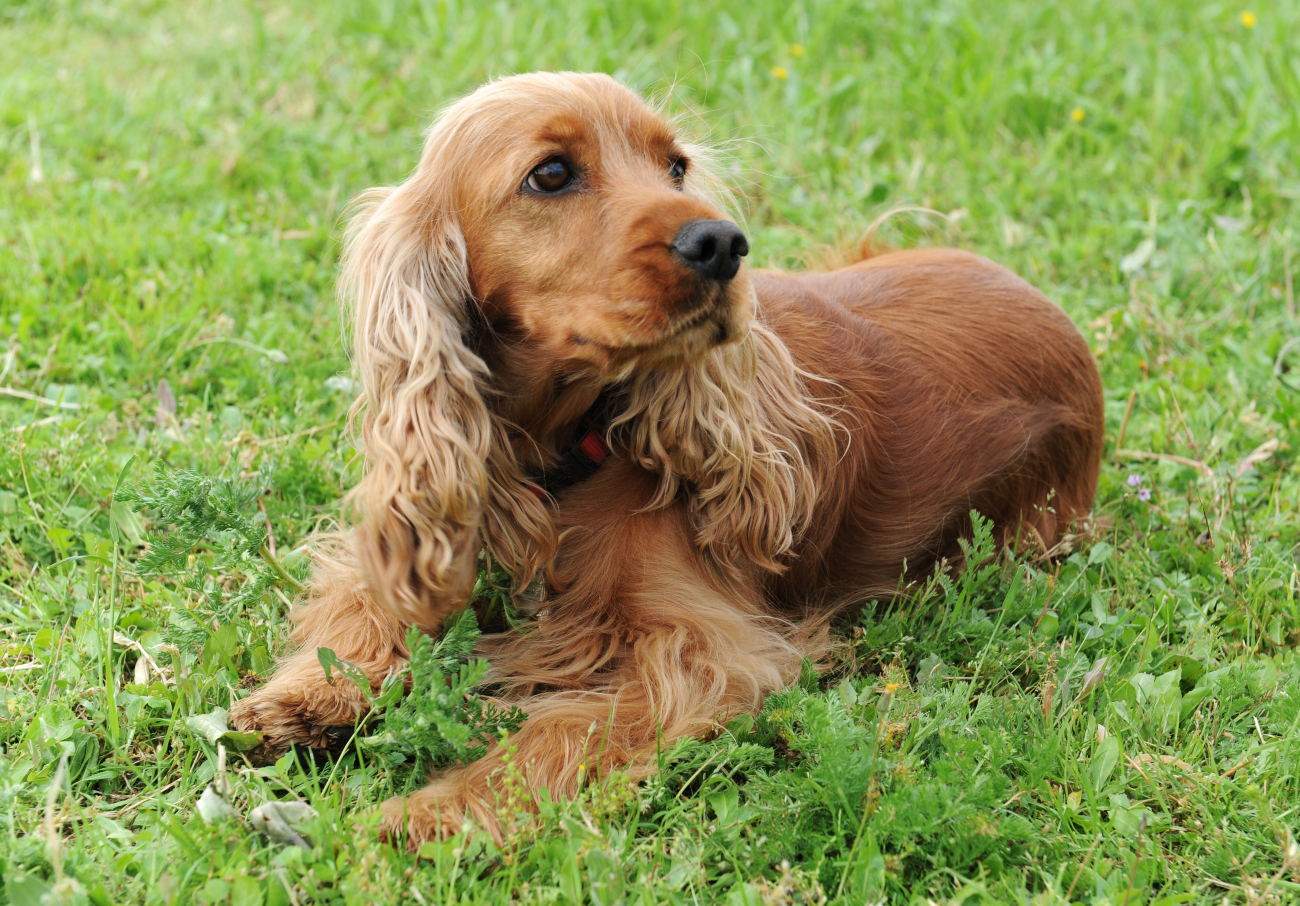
x=1116 y=727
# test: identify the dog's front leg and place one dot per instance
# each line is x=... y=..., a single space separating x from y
x=647 y=643
x=298 y=706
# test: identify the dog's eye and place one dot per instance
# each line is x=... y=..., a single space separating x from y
x=550 y=176
x=677 y=171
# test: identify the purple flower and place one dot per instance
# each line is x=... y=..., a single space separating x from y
x=1144 y=494
x=1135 y=480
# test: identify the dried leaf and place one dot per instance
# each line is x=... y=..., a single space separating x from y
x=212 y=727
x=212 y=807
x=1093 y=677
x=166 y=399
x=1137 y=259
x=1262 y=453
x=1173 y=760
x=1230 y=224
x=342 y=384
x=277 y=821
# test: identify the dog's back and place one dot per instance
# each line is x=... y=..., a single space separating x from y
x=960 y=387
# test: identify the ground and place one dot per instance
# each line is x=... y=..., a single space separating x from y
x=1116 y=727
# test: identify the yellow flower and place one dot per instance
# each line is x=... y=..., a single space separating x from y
x=780 y=72
x=1077 y=114
x=891 y=688
x=797 y=50
x=1248 y=19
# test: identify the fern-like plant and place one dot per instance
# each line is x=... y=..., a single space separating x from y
x=210 y=530
x=444 y=718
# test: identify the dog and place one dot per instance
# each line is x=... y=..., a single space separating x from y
x=567 y=363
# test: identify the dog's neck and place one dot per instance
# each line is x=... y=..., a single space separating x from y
x=543 y=406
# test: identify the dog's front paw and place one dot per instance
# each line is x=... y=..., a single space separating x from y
x=298 y=707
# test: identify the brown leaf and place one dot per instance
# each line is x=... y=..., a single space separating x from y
x=166 y=400
x=1262 y=453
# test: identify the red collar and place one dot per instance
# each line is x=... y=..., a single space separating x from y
x=578 y=463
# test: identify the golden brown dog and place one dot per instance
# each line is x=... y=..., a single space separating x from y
x=775 y=446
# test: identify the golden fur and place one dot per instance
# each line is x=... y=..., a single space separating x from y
x=783 y=446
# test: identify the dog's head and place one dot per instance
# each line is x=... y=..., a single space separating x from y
x=585 y=225
x=586 y=229
x=556 y=233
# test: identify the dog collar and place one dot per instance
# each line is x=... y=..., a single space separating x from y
x=578 y=463
x=580 y=460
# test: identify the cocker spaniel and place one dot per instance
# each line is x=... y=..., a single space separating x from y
x=567 y=362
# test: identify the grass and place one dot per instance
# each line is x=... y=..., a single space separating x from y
x=1117 y=728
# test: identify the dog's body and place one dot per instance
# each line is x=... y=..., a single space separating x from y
x=963 y=388
x=783 y=446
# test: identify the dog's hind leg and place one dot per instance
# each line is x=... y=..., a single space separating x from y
x=297 y=706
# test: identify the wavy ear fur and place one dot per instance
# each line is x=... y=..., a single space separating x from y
x=438 y=459
x=741 y=434
x=425 y=429
x=739 y=431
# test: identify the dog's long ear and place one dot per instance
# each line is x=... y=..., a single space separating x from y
x=741 y=433
x=425 y=428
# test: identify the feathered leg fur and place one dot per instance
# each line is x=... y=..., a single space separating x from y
x=644 y=644
x=298 y=707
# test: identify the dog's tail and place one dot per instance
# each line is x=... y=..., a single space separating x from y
x=869 y=244
x=868 y=247
x=844 y=253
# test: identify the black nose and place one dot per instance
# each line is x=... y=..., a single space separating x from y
x=711 y=248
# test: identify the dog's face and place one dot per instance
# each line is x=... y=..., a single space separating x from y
x=585 y=233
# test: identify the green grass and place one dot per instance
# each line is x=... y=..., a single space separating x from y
x=171 y=179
